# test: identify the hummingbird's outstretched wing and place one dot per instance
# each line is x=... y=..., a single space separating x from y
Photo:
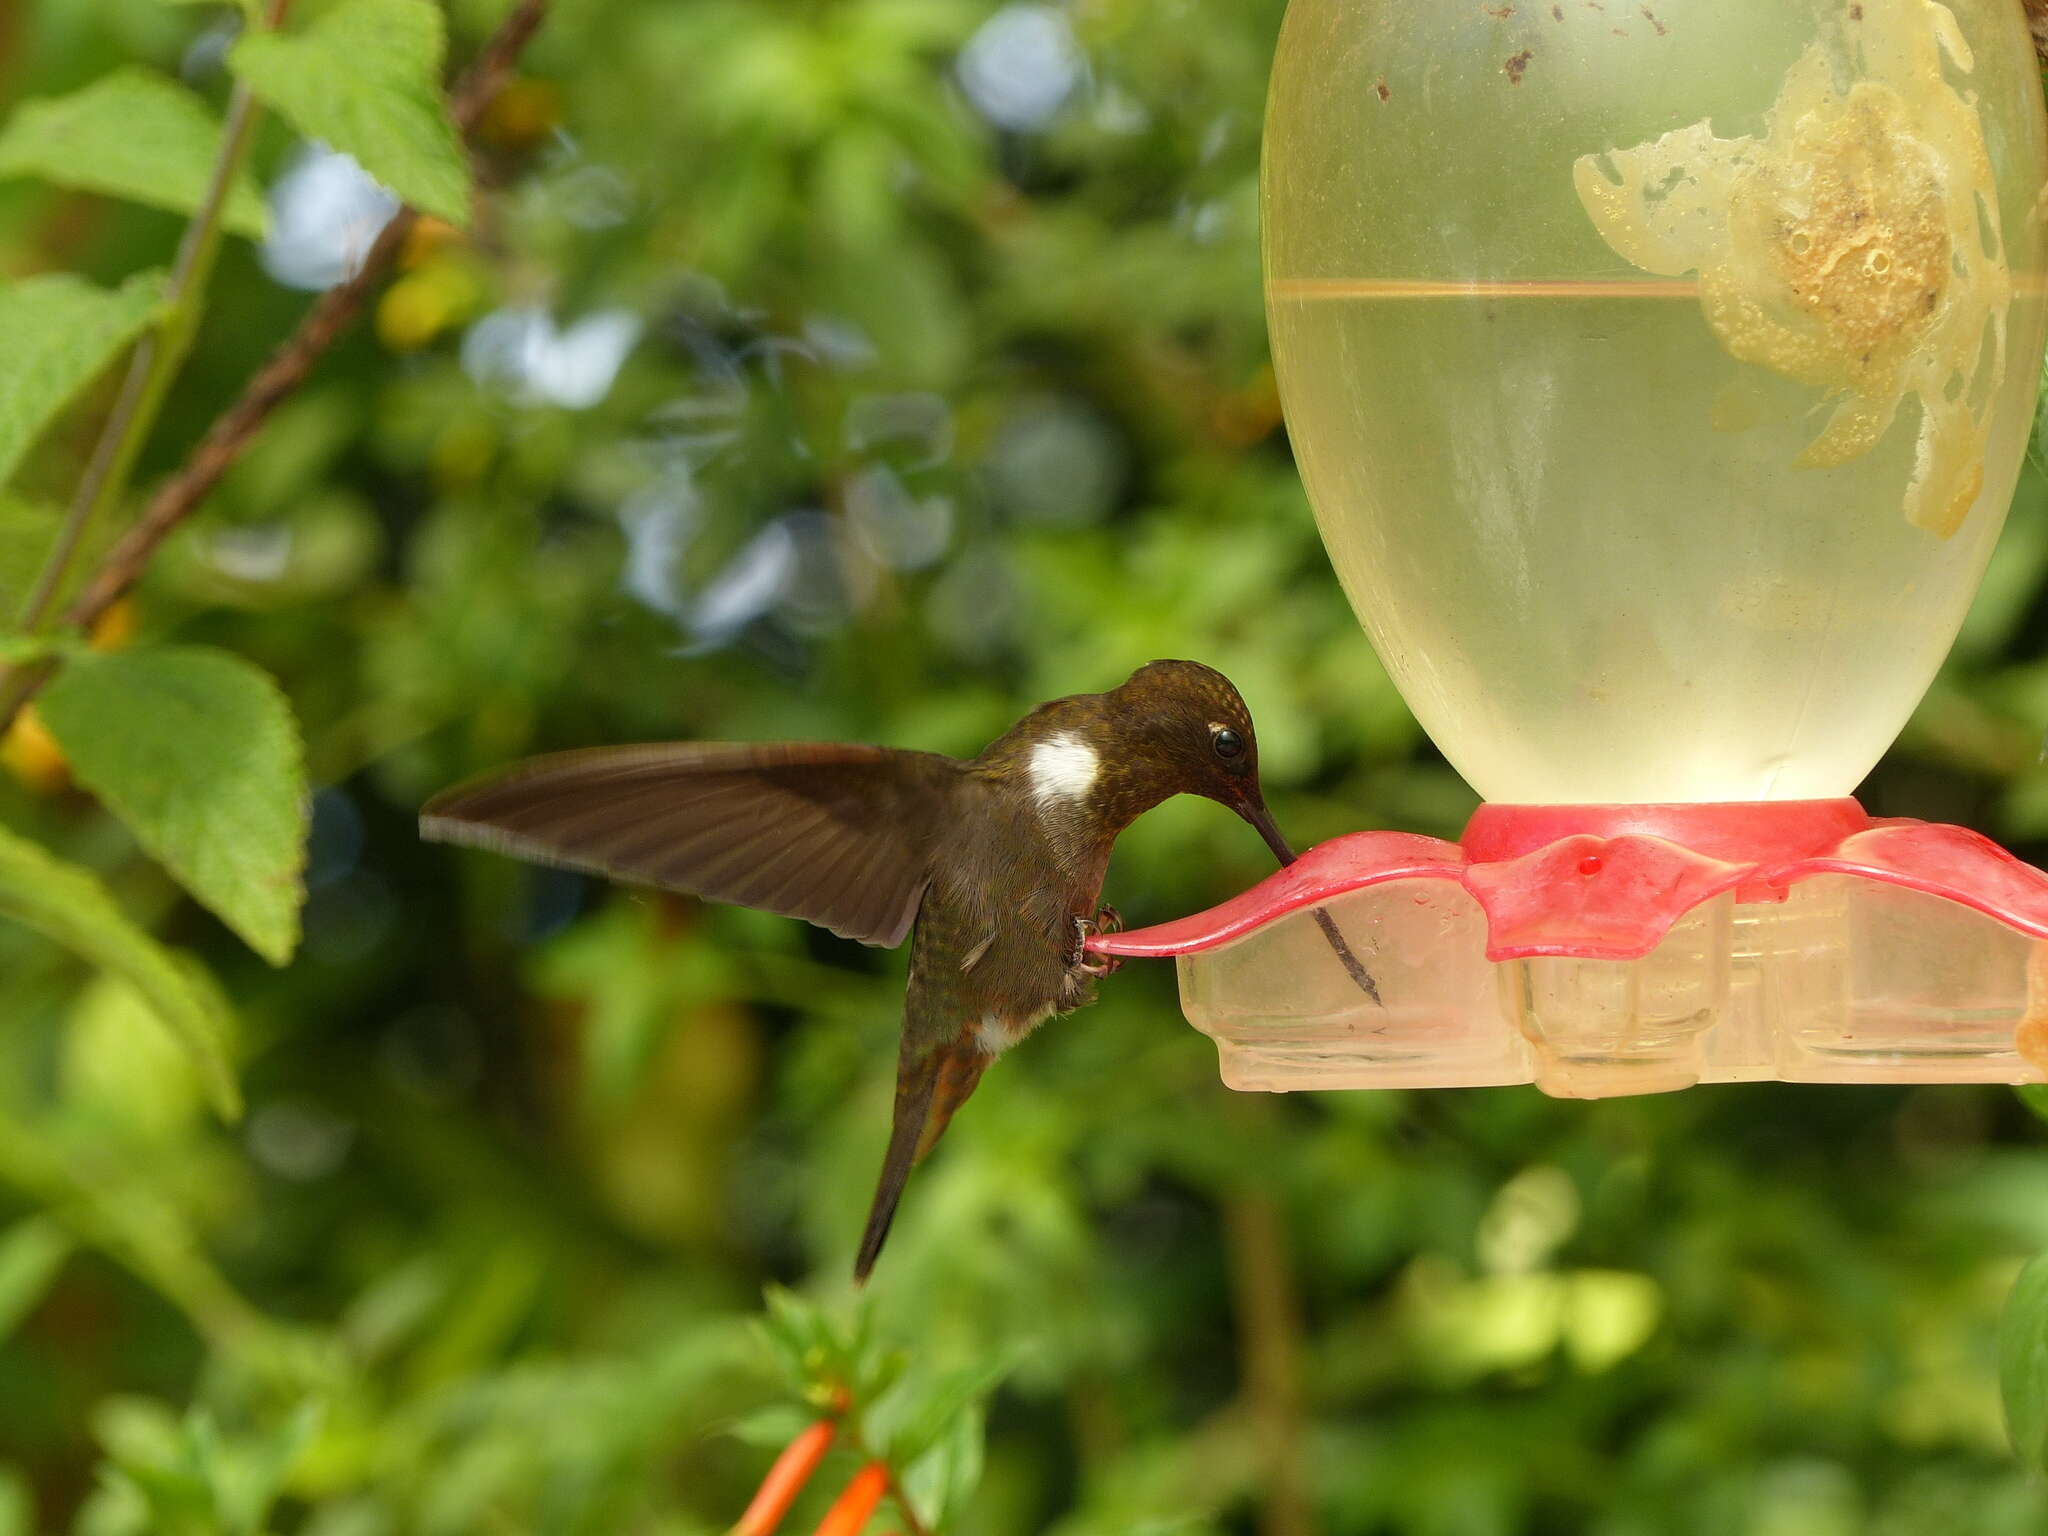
x=838 y=835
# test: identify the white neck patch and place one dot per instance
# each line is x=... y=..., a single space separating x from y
x=1063 y=770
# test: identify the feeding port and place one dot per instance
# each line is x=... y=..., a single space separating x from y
x=1665 y=947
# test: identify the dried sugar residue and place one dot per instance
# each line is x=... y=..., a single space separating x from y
x=1854 y=247
x=1499 y=12
x=1516 y=67
x=1557 y=13
x=1651 y=17
x=1380 y=90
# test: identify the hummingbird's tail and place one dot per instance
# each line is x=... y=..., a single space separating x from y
x=929 y=1088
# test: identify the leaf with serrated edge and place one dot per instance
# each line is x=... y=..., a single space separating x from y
x=60 y=332
x=132 y=134
x=197 y=752
x=366 y=80
x=66 y=903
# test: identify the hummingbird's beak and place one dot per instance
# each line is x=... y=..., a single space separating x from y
x=1254 y=811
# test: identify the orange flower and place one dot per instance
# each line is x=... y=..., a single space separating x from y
x=786 y=1479
x=850 y=1513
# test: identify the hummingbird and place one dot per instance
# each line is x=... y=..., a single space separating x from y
x=993 y=866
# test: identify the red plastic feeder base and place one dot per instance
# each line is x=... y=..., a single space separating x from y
x=1610 y=949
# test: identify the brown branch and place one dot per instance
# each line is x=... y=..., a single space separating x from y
x=235 y=428
x=1269 y=1350
x=161 y=352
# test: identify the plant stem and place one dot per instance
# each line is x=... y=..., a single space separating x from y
x=158 y=356
x=1269 y=1335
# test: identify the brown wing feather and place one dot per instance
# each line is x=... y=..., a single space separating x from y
x=841 y=836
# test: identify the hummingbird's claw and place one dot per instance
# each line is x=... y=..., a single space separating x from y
x=1108 y=920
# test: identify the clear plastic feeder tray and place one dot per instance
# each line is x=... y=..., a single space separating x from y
x=1611 y=961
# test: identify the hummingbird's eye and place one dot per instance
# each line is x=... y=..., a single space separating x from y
x=1228 y=744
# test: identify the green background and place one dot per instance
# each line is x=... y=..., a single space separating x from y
x=926 y=419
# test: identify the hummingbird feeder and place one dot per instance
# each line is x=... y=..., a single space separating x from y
x=1660 y=374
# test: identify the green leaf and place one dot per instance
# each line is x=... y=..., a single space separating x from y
x=26 y=533
x=133 y=134
x=17 y=1504
x=121 y=1071
x=940 y=1406
x=940 y=1482
x=66 y=903
x=31 y=1253
x=28 y=530
x=60 y=332
x=2035 y=1097
x=197 y=752
x=773 y=1427
x=15 y=649
x=797 y=1336
x=2023 y=1364
x=366 y=79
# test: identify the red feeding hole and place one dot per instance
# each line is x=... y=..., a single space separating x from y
x=1591 y=864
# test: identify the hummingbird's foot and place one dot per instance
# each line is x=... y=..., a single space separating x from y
x=1108 y=920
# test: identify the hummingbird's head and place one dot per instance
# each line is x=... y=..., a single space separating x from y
x=1186 y=730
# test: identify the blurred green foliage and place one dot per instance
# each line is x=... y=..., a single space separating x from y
x=869 y=370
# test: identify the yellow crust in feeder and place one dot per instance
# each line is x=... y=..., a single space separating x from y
x=1854 y=246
